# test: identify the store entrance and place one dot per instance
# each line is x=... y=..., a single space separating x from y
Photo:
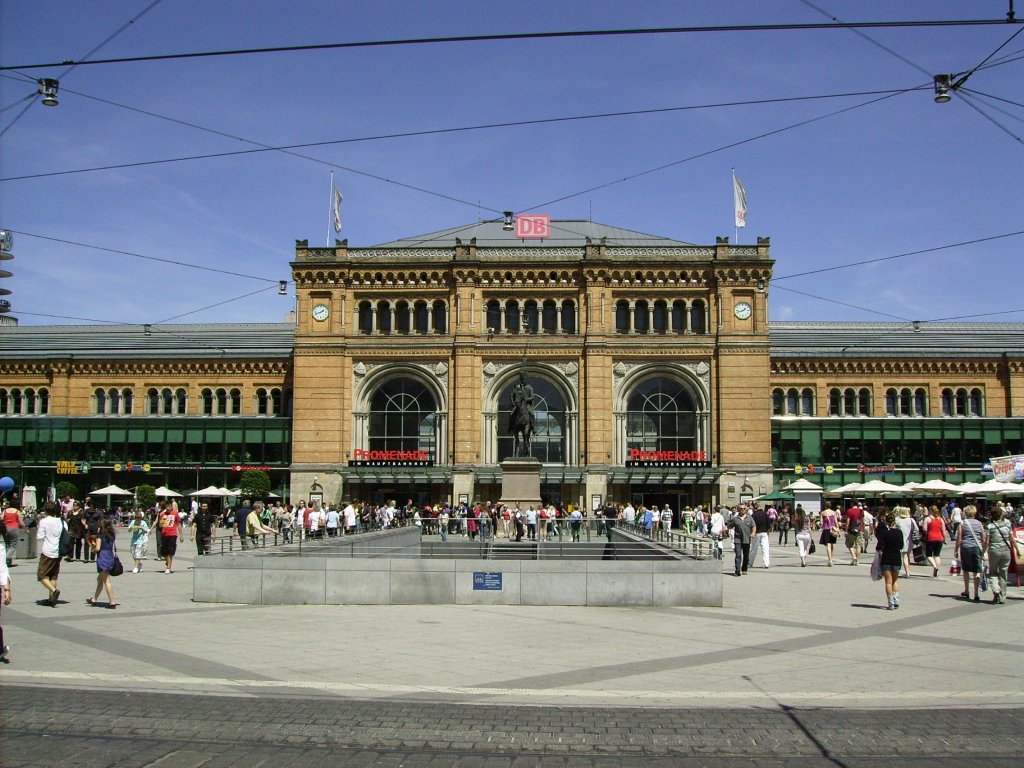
x=648 y=496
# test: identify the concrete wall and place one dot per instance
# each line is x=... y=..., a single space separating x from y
x=324 y=576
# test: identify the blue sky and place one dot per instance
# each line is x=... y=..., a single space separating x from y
x=901 y=175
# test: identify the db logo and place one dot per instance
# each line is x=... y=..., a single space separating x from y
x=535 y=227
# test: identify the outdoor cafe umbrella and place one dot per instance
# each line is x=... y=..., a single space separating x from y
x=936 y=487
x=166 y=492
x=111 y=490
x=877 y=488
x=776 y=496
x=844 y=490
x=210 y=490
x=997 y=486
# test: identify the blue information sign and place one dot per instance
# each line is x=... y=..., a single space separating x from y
x=487 y=580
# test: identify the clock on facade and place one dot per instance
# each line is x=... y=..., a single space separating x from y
x=743 y=310
x=321 y=312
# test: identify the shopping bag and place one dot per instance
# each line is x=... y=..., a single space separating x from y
x=876 y=567
x=954 y=567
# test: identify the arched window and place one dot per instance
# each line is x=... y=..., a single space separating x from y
x=961 y=402
x=402 y=320
x=365 y=317
x=778 y=402
x=44 y=402
x=30 y=402
x=275 y=402
x=236 y=402
x=167 y=401
x=126 y=402
x=16 y=400
x=850 y=401
x=977 y=403
x=531 y=317
x=181 y=402
x=421 y=318
x=697 y=319
x=100 y=401
x=660 y=324
x=403 y=417
x=549 y=317
x=152 y=401
x=568 y=316
x=4 y=402
x=791 y=402
x=207 y=397
x=920 y=402
x=864 y=401
x=660 y=416
x=494 y=316
x=440 y=317
x=807 y=402
x=221 y=406
x=114 y=399
x=892 y=402
x=262 y=402
x=948 y=403
x=512 y=316
x=835 y=402
x=548 y=443
x=383 y=317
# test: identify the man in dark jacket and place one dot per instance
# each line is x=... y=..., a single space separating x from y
x=742 y=529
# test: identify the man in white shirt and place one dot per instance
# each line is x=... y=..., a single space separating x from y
x=717 y=531
x=48 y=531
x=629 y=514
x=350 y=518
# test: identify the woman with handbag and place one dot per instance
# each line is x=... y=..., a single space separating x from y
x=890 y=545
x=906 y=524
x=802 y=526
x=103 y=545
x=970 y=543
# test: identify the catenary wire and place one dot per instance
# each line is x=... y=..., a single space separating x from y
x=525 y=36
x=143 y=256
x=987 y=102
x=844 y=304
x=110 y=37
x=19 y=101
x=18 y=117
x=970 y=102
x=211 y=306
x=287 y=148
x=976 y=92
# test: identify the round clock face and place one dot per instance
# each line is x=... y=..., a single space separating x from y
x=321 y=312
x=743 y=310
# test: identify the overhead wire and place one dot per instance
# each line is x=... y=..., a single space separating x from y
x=970 y=102
x=21 y=114
x=288 y=148
x=212 y=306
x=508 y=36
x=110 y=37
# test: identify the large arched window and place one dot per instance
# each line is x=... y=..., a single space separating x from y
x=403 y=417
x=549 y=416
x=660 y=416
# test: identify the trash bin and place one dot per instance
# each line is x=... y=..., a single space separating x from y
x=25 y=549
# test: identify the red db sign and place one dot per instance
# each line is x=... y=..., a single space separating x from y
x=534 y=227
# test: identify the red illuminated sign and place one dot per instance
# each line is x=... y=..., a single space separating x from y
x=533 y=227
x=641 y=458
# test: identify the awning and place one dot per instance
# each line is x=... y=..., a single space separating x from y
x=663 y=476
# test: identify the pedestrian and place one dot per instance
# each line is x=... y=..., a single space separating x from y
x=907 y=526
x=78 y=531
x=762 y=535
x=829 y=531
x=103 y=545
x=783 y=521
x=971 y=541
x=13 y=524
x=742 y=530
x=254 y=526
x=999 y=533
x=612 y=513
x=854 y=529
x=5 y=591
x=442 y=523
x=48 y=531
x=934 y=537
x=717 y=531
x=890 y=545
x=170 y=532
x=138 y=528
x=802 y=526
x=203 y=529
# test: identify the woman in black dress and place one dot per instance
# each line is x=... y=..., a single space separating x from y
x=890 y=544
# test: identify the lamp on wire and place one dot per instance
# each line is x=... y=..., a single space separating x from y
x=508 y=225
x=48 y=87
x=942 y=86
x=282 y=287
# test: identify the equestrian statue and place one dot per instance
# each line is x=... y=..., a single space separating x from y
x=520 y=420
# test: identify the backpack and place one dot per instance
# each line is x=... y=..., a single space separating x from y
x=64 y=542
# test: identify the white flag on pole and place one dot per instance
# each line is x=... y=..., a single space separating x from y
x=336 y=208
x=739 y=198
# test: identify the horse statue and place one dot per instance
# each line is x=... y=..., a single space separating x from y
x=520 y=420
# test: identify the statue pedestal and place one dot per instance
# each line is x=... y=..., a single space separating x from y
x=520 y=483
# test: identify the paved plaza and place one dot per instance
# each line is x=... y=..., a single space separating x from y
x=802 y=666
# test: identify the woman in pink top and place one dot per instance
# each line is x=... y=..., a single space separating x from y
x=829 y=531
x=934 y=537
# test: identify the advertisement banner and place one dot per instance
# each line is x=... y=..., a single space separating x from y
x=1008 y=469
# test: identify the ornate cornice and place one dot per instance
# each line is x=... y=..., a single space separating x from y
x=34 y=368
x=189 y=368
x=885 y=367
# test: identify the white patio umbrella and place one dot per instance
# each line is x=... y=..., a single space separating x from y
x=802 y=485
x=967 y=489
x=210 y=490
x=166 y=492
x=844 y=490
x=877 y=488
x=111 y=490
x=937 y=487
x=997 y=486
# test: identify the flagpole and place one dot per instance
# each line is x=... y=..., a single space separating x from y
x=330 y=210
